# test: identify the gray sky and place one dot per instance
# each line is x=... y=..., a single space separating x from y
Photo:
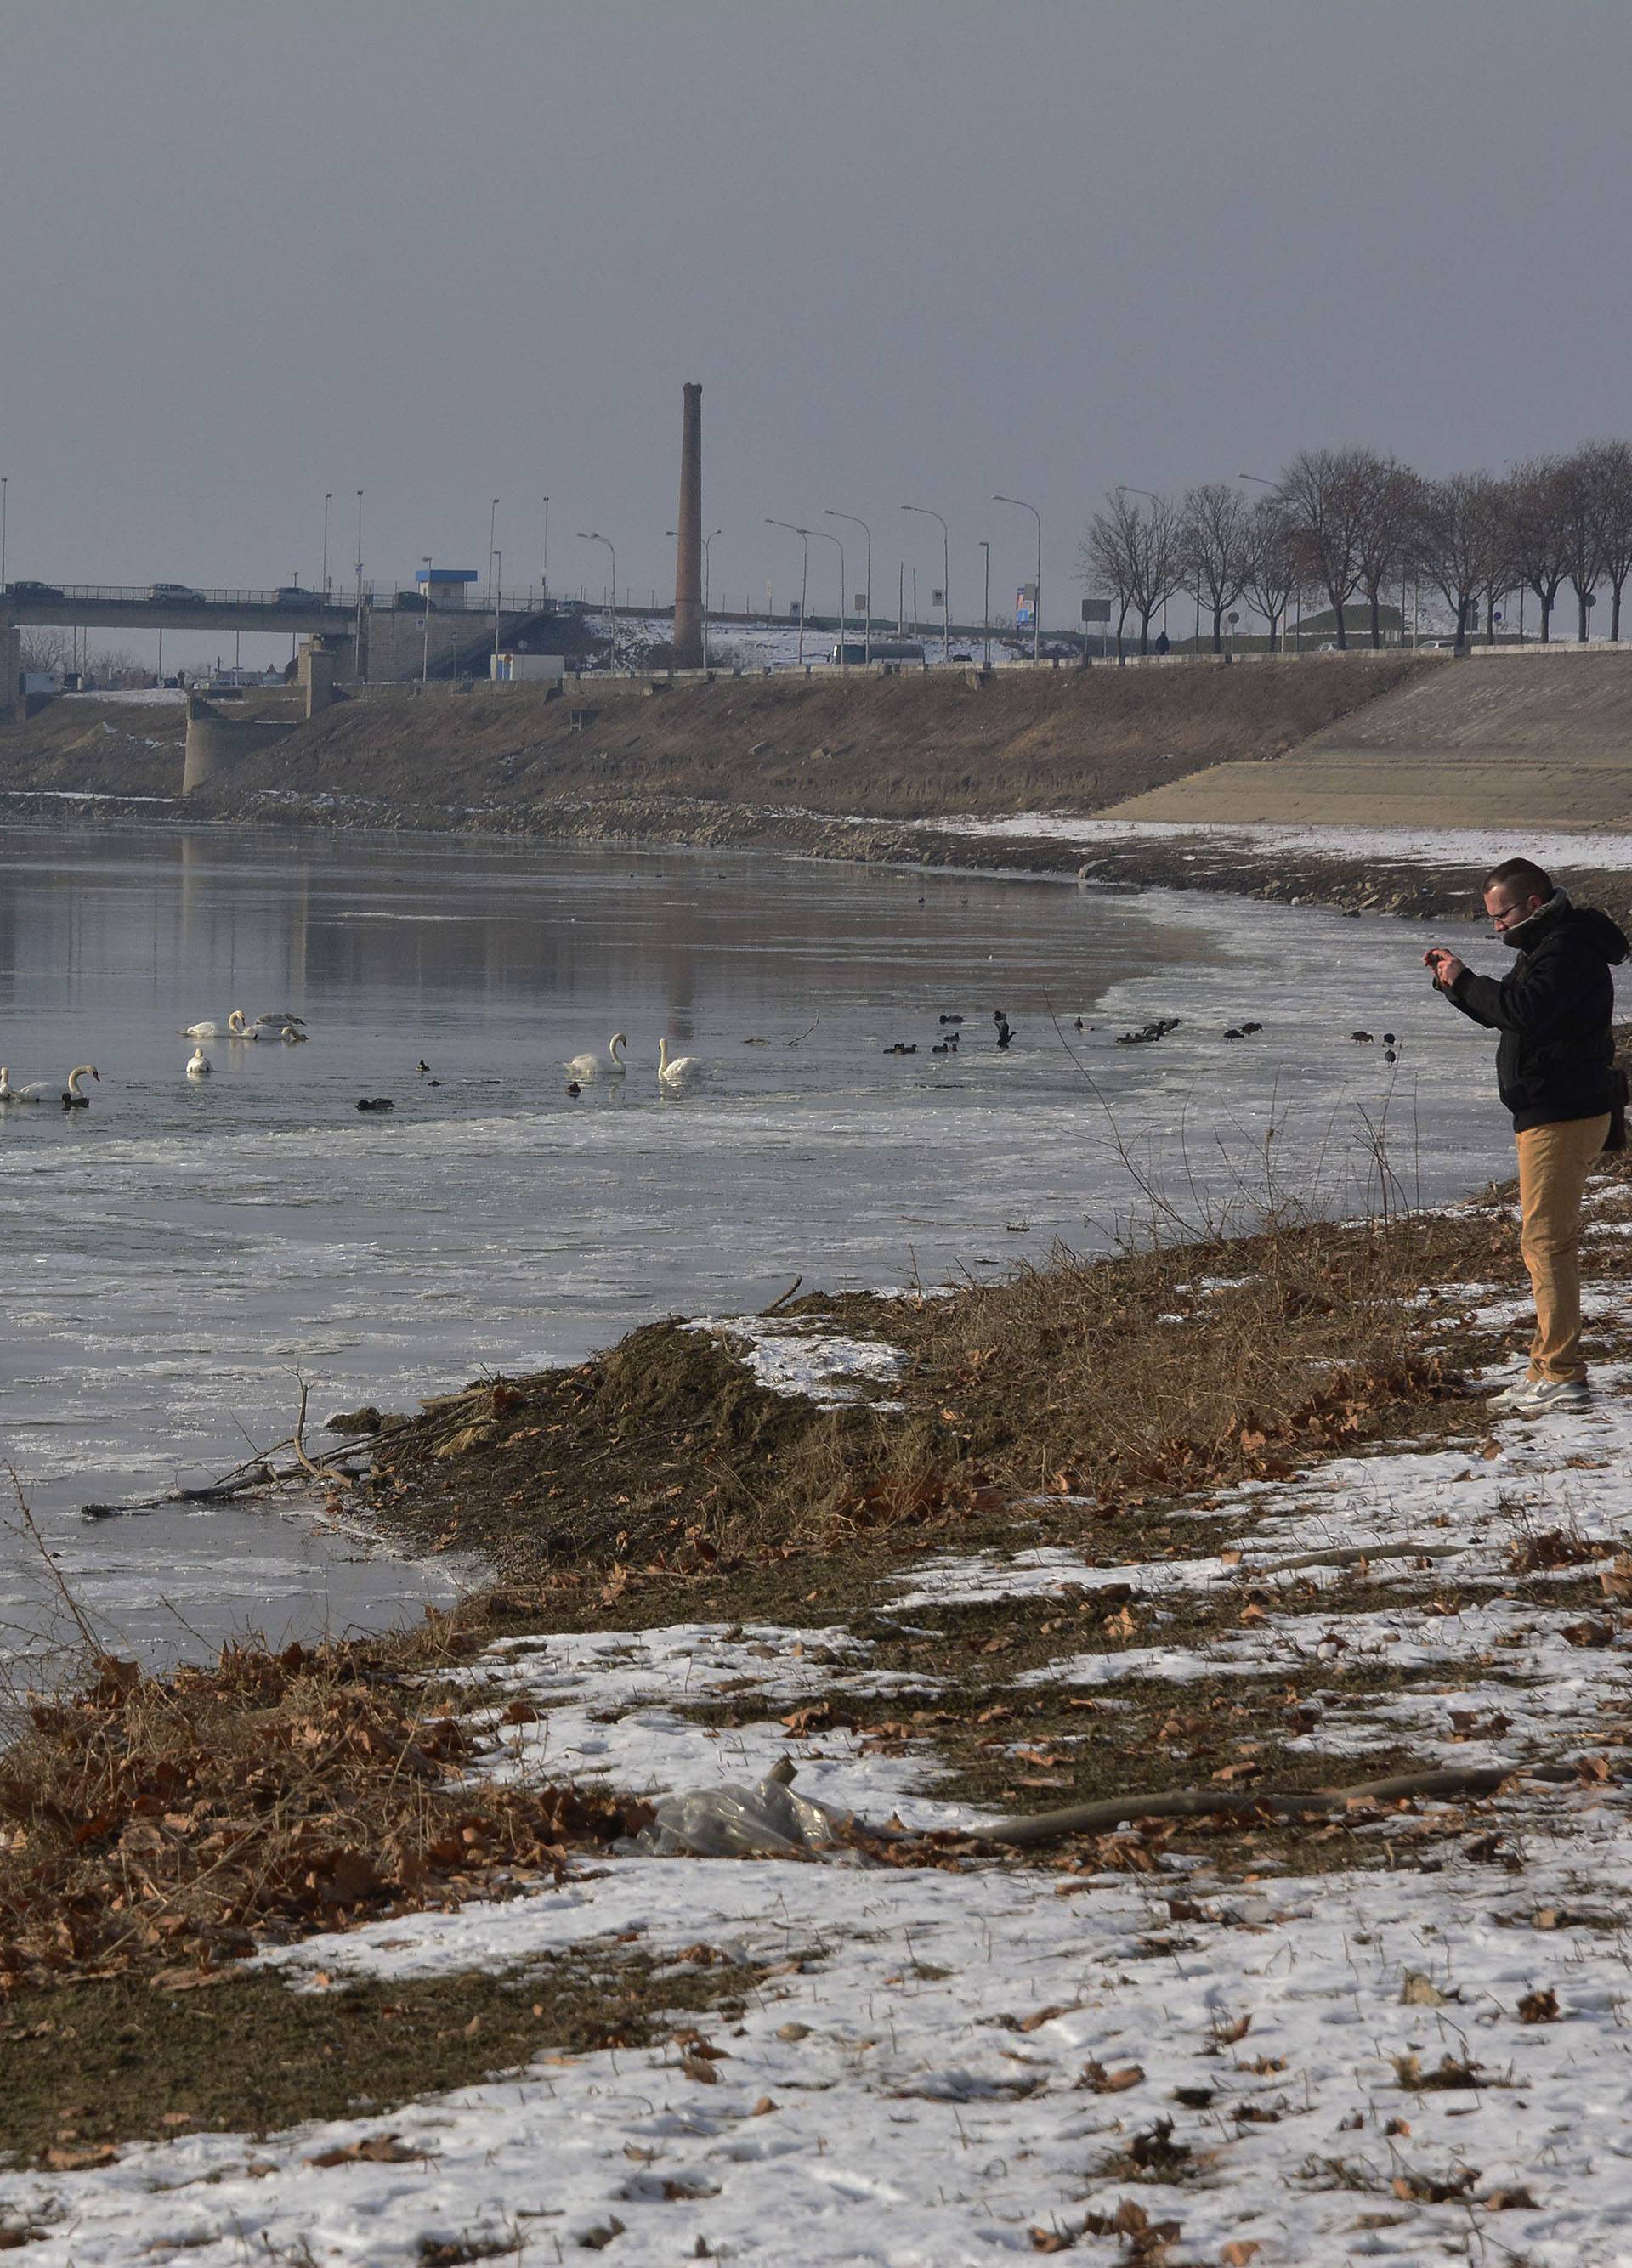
x=915 y=251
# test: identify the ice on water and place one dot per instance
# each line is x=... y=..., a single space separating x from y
x=182 y=1253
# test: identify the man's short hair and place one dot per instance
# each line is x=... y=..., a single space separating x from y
x=1522 y=876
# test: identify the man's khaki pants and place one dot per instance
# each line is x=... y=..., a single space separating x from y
x=1553 y=1164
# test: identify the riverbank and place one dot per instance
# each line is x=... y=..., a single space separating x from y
x=1043 y=1576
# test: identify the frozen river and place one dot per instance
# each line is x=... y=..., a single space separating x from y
x=181 y=1252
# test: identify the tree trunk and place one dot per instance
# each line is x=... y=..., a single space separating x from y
x=1218 y=634
x=1615 y=614
x=1376 y=619
x=1145 y=614
x=1546 y=617
x=1337 y=615
x=1581 y=616
x=1461 y=643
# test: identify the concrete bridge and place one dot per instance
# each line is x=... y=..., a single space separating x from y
x=155 y=606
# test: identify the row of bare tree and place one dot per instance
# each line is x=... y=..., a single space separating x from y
x=1352 y=526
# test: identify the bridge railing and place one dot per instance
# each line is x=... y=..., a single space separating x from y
x=336 y=600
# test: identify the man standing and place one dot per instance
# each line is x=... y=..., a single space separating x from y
x=1555 y=1071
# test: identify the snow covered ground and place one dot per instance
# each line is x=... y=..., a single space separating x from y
x=1428 y=2059
x=1603 y=848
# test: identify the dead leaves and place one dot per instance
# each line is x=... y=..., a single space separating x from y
x=1098 y=2080
x=376 y=2150
x=1539 y=2006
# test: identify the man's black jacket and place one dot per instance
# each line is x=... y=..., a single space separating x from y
x=1553 y=1010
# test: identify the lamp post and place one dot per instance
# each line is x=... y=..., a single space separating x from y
x=1037 y=610
x=592 y=535
x=823 y=536
x=866 y=628
x=329 y=498
x=499 y=596
x=986 y=604
x=357 y=634
x=2 y=482
x=544 y=589
x=946 y=577
x=492 y=535
x=425 y=628
x=1124 y=490
x=803 y=534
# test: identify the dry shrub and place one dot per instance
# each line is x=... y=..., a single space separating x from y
x=167 y=1824
x=1176 y=1367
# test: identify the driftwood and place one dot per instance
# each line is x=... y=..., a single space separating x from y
x=260 y=1471
x=1273 y=1802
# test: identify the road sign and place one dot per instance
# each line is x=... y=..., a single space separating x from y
x=1095 y=610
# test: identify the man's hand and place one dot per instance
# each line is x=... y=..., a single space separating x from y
x=1444 y=964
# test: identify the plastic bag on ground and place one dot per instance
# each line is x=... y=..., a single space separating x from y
x=765 y=1822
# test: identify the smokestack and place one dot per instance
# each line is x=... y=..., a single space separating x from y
x=688 y=639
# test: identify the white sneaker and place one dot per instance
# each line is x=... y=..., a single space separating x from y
x=1541 y=1394
x=1512 y=1397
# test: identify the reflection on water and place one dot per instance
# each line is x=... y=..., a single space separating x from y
x=185 y=1251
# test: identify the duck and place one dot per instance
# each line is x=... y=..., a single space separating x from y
x=590 y=1066
x=684 y=1070
x=198 y=1064
x=375 y=1103
x=572 y=1086
x=72 y=1099
x=1361 y=1039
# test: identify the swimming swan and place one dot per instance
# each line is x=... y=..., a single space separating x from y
x=290 y=1033
x=233 y=1029
x=72 y=1100
x=44 y=1090
x=198 y=1065
x=277 y=1022
x=7 y=1092
x=684 y=1070
x=588 y=1066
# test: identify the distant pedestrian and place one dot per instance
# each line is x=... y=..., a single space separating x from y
x=1555 y=1071
x=1162 y=642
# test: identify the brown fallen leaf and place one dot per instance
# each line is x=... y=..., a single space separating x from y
x=1539 y=2006
x=699 y=2068
x=1239 y=2251
x=377 y=2150
x=1101 y=2081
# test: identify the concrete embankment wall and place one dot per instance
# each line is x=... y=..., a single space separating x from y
x=882 y=747
x=1537 y=737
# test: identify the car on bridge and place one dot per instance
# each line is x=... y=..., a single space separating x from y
x=293 y=595
x=32 y=593
x=172 y=594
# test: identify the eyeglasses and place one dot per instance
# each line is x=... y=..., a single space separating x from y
x=1507 y=916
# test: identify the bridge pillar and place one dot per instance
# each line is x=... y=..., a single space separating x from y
x=317 y=676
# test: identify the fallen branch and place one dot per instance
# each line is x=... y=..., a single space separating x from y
x=1272 y=1803
x=783 y=1297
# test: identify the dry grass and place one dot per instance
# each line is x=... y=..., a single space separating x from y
x=168 y=1824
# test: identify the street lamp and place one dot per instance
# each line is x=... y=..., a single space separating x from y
x=985 y=603
x=424 y=631
x=328 y=498
x=492 y=532
x=2 y=482
x=499 y=596
x=1037 y=611
x=946 y=577
x=867 y=631
x=592 y=535
x=803 y=534
x=823 y=536
x=357 y=636
x=544 y=588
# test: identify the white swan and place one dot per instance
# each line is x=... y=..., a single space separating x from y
x=239 y=1028
x=230 y=1030
x=290 y=1033
x=198 y=1065
x=588 y=1066
x=7 y=1092
x=685 y=1070
x=276 y=1021
x=71 y=1099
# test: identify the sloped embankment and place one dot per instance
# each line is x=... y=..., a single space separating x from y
x=1541 y=738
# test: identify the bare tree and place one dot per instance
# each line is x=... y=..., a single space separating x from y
x=1138 y=554
x=1323 y=493
x=1386 y=513
x=1104 y=563
x=1611 y=463
x=46 y=651
x=1578 y=527
x=1216 y=538
x=1272 y=577
x=1540 y=539
x=1458 y=533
